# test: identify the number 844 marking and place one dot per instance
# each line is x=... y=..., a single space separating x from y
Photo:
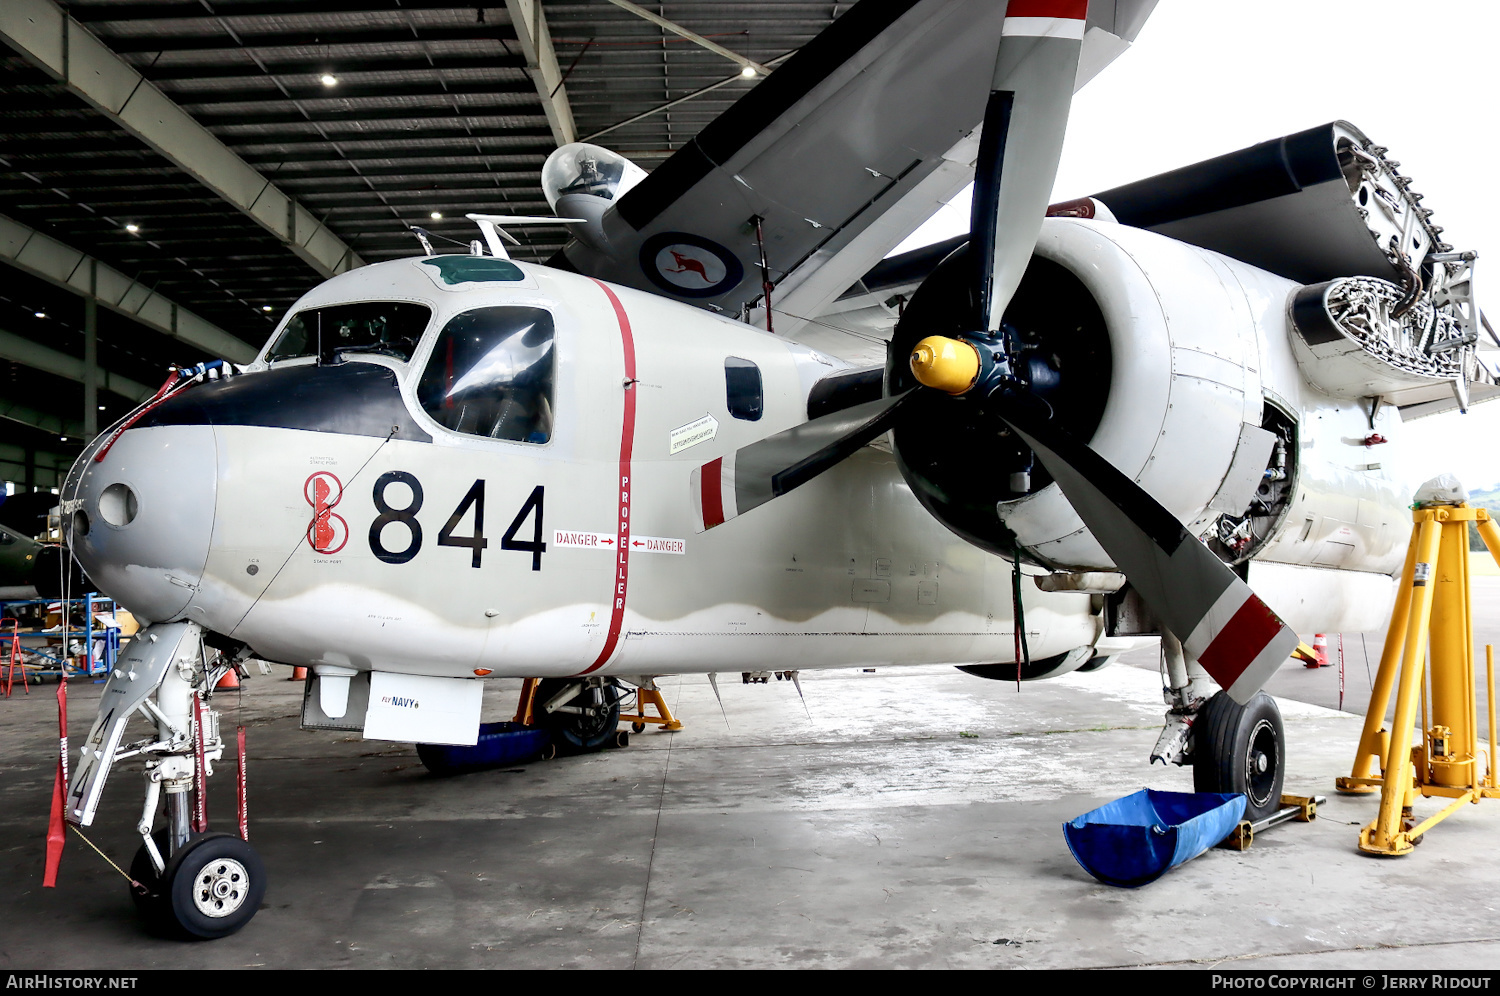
x=475 y=542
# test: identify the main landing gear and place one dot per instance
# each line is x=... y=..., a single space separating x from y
x=1232 y=747
x=187 y=882
x=557 y=715
x=1241 y=748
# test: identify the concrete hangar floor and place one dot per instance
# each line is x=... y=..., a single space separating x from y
x=906 y=818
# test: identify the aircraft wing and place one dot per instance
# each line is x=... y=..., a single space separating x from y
x=841 y=153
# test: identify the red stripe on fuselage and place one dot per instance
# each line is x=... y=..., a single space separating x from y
x=627 y=443
x=712 y=476
x=1077 y=10
x=1240 y=641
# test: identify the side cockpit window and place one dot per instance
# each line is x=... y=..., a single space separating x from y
x=744 y=395
x=390 y=328
x=490 y=374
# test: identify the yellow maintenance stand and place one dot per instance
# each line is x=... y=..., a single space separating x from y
x=1432 y=605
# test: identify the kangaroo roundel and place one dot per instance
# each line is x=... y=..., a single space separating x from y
x=690 y=265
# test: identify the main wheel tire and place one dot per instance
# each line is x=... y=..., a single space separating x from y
x=214 y=885
x=583 y=732
x=1241 y=748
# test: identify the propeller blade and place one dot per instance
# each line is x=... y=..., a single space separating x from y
x=1032 y=91
x=752 y=475
x=1220 y=621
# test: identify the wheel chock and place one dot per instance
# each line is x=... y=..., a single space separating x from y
x=1294 y=809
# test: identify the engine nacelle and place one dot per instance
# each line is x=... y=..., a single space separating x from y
x=1174 y=363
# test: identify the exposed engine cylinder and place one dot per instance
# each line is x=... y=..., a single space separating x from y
x=1162 y=376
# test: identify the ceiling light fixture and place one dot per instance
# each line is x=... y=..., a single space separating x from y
x=132 y=228
x=437 y=216
x=265 y=307
x=40 y=314
x=328 y=79
x=748 y=72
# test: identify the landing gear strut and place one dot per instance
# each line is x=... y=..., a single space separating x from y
x=187 y=882
x=1232 y=747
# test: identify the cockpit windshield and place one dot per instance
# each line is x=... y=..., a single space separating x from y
x=491 y=372
x=390 y=328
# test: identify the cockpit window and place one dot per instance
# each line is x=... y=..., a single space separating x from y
x=390 y=328
x=490 y=374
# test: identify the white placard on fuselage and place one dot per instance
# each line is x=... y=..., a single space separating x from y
x=422 y=709
x=695 y=432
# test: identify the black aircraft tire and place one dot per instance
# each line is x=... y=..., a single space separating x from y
x=152 y=906
x=1241 y=748
x=215 y=885
x=582 y=732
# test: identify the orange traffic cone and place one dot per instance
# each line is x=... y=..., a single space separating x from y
x=230 y=680
x=298 y=674
x=1320 y=649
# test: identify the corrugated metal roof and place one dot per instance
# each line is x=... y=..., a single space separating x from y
x=434 y=110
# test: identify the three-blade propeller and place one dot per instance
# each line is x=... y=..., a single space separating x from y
x=1220 y=621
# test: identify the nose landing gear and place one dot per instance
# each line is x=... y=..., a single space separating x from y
x=187 y=882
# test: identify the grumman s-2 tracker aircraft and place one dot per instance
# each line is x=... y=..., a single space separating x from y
x=1173 y=404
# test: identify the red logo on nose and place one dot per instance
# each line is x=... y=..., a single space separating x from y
x=327 y=532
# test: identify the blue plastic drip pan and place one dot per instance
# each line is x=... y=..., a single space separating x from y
x=499 y=744
x=1134 y=840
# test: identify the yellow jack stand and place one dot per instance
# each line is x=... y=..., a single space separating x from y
x=1431 y=603
x=649 y=693
x=527 y=701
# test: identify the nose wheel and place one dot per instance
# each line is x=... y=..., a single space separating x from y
x=1241 y=748
x=210 y=888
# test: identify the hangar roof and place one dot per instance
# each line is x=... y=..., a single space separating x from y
x=207 y=125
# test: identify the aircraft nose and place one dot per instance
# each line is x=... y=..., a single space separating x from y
x=140 y=520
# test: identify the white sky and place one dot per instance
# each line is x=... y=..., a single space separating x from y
x=1207 y=77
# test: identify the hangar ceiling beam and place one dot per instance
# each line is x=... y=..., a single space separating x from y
x=691 y=36
x=293 y=67
x=541 y=63
x=39 y=420
x=268 y=41
x=19 y=349
x=660 y=108
x=249 y=8
x=65 y=50
x=45 y=257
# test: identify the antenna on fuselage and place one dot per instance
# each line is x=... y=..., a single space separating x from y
x=424 y=237
x=490 y=224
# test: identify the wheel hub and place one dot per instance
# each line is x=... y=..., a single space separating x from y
x=1261 y=755
x=221 y=887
